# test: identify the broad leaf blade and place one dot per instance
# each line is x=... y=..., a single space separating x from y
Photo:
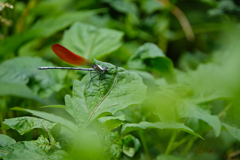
x=90 y=41
x=160 y=125
x=26 y=124
x=50 y=26
x=190 y=110
x=124 y=89
x=51 y=117
x=16 y=73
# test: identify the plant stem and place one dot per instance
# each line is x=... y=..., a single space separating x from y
x=143 y=140
x=170 y=143
x=189 y=145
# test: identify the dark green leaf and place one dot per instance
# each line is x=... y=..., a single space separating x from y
x=123 y=89
x=90 y=41
x=130 y=145
x=150 y=57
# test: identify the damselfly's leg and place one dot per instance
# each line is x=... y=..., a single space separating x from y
x=93 y=77
x=105 y=78
x=101 y=76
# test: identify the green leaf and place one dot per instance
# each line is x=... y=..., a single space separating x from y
x=26 y=124
x=123 y=89
x=90 y=41
x=51 y=117
x=5 y=143
x=130 y=145
x=18 y=75
x=43 y=143
x=28 y=150
x=150 y=57
x=189 y=109
x=151 y=6
x=49 y=26
x=5 y=140
x=208 y=83
x=233 y=130
x=126 y=128
x=59 y=155
x=11 y=44
x=112 y=122
x=25 y=150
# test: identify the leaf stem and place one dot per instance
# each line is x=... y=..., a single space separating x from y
x=143 y=140
x=171 y=142
x=189 y=145
x=223 y=112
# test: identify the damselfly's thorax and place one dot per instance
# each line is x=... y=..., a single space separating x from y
x=99 y=68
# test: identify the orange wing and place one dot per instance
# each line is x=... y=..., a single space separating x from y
x=70 y=57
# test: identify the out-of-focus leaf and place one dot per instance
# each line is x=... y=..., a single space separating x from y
x=130 y=145
x=151 y=6
x=150 y=57
x=16 y=73
x=233 y=130
x=59 y=155
x=160 y=125
x=170 y=157
x=51 y=117
x=26 y=124
x=90 y=41
x=123 y=6
x=188 y=109
x=11 y=44
x=171 y=103
x=112 y=122
x=50 y=26
x=208 y=83
x=123 y=89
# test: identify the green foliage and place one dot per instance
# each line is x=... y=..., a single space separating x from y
x=176 y=99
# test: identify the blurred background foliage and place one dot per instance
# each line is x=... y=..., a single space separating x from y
x=186 y=51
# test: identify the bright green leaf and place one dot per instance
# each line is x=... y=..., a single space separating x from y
x=123 y=89
x=160 y=125
x=90 y=41
x=233 y=130
x=188 y=109
x=112 y=122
